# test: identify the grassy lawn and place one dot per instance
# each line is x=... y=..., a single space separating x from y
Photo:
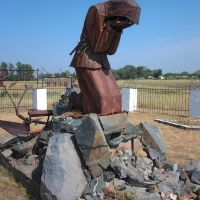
x=9 y=188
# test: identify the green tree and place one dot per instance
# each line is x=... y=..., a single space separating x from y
x=197 y=73
x=66 y=73
x=4 y=66
x=156 y=73
x=129 y=72
x=143 y=72
x=24 y=71
x=12 y=72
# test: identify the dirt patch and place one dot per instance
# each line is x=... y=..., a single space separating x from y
x=182 y=145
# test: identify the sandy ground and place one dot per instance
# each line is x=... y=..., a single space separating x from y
x=182 y=145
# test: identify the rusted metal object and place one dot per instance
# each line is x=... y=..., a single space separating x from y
x=100 y=37
x=26 y=120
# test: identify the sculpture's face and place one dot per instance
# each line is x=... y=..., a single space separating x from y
x=123 y=12
x=120 y=22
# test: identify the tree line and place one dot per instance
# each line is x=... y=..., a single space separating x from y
x=25 y=72
x=143 y=72
x=20 y=71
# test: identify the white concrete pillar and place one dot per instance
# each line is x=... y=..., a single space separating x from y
x=195 y=103
x=129 y=99
x=39 y=97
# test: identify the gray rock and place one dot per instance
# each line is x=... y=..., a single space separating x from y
x=152 y=137
x=108 y=176
x=113 y=123
x=191 y=187
x=42 y=142
x=131 y=132
x=95 y=188
x=62 y=176
x=192 y=165
x=195 y=178
x=171 y=184
x=101 y=185
x=89 y=190
x=132 y=175
x=93 y=146
x=6 y=153
x=6 y=140
x=20 y=149
x=115 y=139
x=119 y=168
x=157 y=175
x=144 y=163
x=66 y=124
x=70 y=126
x=168 y=166
x=183 y=175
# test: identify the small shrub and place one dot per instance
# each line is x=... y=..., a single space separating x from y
x=3 y=94
x=125 y=195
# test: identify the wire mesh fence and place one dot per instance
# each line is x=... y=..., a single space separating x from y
x=171 y=97
x=17 y=83
x=163 y=100
x=160 y=97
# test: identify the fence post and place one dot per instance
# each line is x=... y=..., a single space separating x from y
x=194 y=103
x=37 y=77
x=129 y=99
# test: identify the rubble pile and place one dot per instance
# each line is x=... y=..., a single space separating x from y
x=102 y=157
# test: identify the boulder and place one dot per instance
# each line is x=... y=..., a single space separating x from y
x=133 y=175
x=92 y=144
x=95 y=188
x=152 y=137
x=192 y=165
x=113 y=123
x=195 y=178
x=65 y=124
x=62 y=176
x=131 y=132
x=158 y=158
x=171 y=184
x=114 y=139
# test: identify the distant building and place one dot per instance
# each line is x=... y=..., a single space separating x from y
x=150 y=77
x=161 y=77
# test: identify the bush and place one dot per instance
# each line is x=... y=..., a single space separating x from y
x=125 y=195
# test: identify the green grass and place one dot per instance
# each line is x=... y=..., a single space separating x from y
x=153 y=83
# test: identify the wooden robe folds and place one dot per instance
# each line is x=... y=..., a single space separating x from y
x=100 y=37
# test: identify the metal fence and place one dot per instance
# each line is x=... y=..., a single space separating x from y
x=30 y=79
x=163 y=100
x=171 y=99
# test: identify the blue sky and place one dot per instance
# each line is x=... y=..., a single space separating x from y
x=43 y=32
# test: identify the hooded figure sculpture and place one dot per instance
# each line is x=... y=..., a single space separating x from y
x=100 y=37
